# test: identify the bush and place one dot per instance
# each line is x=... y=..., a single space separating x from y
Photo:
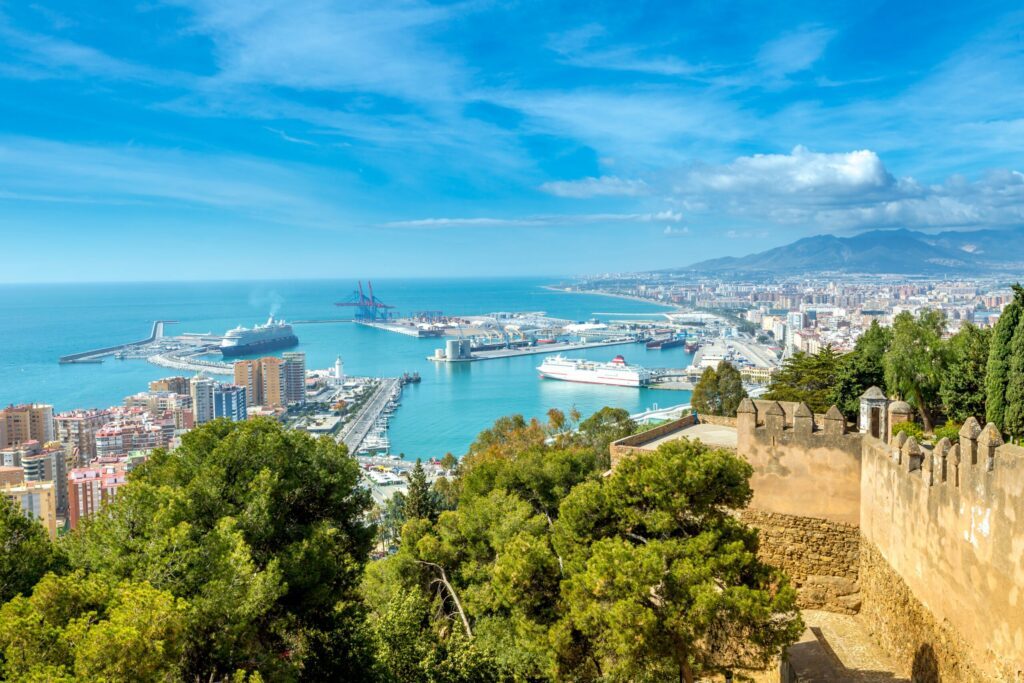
x=910 y=428
x=950 y=430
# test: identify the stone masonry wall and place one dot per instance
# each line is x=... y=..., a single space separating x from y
x=821 y=558
x=928 y=651
x=717 y=420
x=803 y=466
x=943 y=580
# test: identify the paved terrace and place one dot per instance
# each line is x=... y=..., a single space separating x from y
x=717 y=436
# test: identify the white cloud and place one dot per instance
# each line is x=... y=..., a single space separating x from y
x=794 y=52
x=801 y=171
x=537 y=221
x=575 y=48
x=850 y=190
x=378 y=47
x=604 y=186
x=671 y=231
x=38 y=170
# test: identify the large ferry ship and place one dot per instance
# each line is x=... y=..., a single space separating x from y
x=274 y=334
x=617 y=373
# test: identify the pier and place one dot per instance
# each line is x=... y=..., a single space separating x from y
x=533 y=350
x=407 y=329
x=187 y=361
x=356 y=431
x=96 y=355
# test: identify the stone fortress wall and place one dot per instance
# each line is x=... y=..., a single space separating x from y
x=926 y=543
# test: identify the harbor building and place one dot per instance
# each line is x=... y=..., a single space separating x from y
x=37 y=500
x=76 y=431
x=294 y=377
x=175 y=385
x=29 y=422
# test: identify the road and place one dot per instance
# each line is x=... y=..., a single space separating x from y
x=357 y=430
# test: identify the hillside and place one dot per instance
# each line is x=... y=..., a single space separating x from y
x=883 y=251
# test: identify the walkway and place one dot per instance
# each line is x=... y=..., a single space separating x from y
x=838 y=648
x=355 y=432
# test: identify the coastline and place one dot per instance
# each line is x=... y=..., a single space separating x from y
x=628 y=297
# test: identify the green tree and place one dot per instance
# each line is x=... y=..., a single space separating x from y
x=599 y=430
x=663 y=582
x=860 y=370
x=719 y=391
x=962 y=385
x=807 y=378
x=997 y=377
x=705 y=398
x=421 y=502
x=89 y=627
x=730 y=388
x=916 y=360
x=263 y=531
x=26 y=553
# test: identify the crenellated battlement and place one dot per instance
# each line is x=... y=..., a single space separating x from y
x=947 y=519
x=776 y=417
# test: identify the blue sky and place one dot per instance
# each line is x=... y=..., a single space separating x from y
x=212 y=139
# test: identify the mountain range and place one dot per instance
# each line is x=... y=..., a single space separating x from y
x=988 y=251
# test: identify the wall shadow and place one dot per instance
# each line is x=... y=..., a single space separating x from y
x=925 y=668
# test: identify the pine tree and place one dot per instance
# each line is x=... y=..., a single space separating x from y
x=420 y=501
x=998 y=369
x=962 y=386
x=1014 y=425
x=730 y=389
x=705 y=398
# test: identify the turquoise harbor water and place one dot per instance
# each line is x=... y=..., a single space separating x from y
x=39 y=323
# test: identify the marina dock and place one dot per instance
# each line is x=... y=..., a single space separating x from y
x=358 y=429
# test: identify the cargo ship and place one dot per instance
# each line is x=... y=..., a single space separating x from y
x=272 y=335
x=616 y=373
x=666 y=343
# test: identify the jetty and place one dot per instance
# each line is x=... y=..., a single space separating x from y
x=187 y=361
x=97 y=355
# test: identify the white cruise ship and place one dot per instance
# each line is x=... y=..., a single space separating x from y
x=616 y=373
x=275 y=334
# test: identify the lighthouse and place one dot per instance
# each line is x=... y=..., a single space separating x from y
x=339 y=374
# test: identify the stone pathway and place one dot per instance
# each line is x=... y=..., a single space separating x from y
x=837 y=648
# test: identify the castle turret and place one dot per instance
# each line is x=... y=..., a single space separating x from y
x=873 y=413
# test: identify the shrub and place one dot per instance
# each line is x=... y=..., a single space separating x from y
x=910 y=428
x=950 y=430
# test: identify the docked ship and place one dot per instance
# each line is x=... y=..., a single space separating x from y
x=616 y=373
x=274 y=334
x=665 y=343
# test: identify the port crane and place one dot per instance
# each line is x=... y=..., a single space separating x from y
x=368 y=307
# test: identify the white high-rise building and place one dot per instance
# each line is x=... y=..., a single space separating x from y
x=294 y=377
x=201 y=388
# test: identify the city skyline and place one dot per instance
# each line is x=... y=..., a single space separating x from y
x=203 y=141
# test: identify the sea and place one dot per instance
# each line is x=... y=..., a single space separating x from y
x=441 y=414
